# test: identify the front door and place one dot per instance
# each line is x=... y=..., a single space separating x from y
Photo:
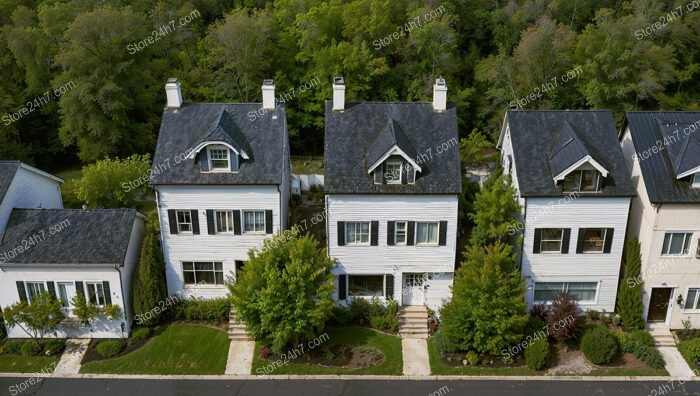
x=66 y=292
x=658 y=304
x=413 y=289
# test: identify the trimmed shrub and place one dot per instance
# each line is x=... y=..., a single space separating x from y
x=109 y=348
x=564 y=320
x=537 y=354
x=690 y=351
x=141 y=333
x=384 y=317
x=359 y=311
x=445 y=343
x=650 y=355
x=599 y=346
x=214 y=310
x=30 y=349
x=534 y=325
x=472 y=358
x=687 y=334
x=54 y=346
x=643 y=337
x=13 y=346
x=624 y=340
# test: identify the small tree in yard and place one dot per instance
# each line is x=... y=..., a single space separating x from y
x=38 y=318
x=629 y=301
x=283 y=294
x=149 y=278
x=114 y=183
x=564 y=320
x=494 y=214
x=487 y=310
x=84 y=310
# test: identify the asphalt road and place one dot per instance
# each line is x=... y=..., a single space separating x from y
x=92 y=387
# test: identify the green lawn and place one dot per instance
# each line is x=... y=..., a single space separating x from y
x=439 y=368
x=179 y=349
x=307 y=166
x=21 y=364
x=389 y=345
x=621 y=372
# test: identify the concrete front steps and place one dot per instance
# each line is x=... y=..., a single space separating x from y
x=663 y=338
x=236 y=328
x=413 y=321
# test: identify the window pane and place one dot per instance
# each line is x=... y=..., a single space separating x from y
x=572 y=181
x=260 y=221
x=593 y=240
x=551 y=234
x=189 y=277
x=367 y=286
x=92 y=294
x=686 y=243
x=421 y=232
x=187 y=266
x=582 y=291
x=400 y=232
x=546 y=291
x=206 y=277
x=100 y=294
x=204 y=266
x=667 y=241
x=219 y=278
x=218 y=266
x=249 y=220
x=63 y=294
x=432 y=232
x=589 y=180
x=349 y=232
x=690 y=300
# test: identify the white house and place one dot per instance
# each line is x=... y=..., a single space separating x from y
x=65 y=251
x=662 y=150
x=392 y=180
x=221 y=172
x=574 y=189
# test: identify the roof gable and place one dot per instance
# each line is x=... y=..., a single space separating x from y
x=391 y=141
x=569 y=152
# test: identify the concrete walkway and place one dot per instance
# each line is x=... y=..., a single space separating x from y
x=666 y=344
x=415 y=357
x=240 y=357
x=72 y=356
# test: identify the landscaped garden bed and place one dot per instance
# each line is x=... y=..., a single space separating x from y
x=175 y=349
x=347 y=350
x=453 y=364
x=24 y=356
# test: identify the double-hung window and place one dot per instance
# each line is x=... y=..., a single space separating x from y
x=96 y=293
x=692 y=299
x=219 y=159
x=184 y=220
x=393 y=172
x=427 y=233
x=253 y=221
x=551 y=240
x=224 y=221
x=366 y=285
x=580 y=291
x=357 y=233
x=676 y=243
x=400 y=233
x=34 y=289
x=207 y=273
x=582 y=180
x=594 y=240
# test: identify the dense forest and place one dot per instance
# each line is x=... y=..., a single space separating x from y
x=82 y=80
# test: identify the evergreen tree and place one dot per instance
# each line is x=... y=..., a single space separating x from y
x=149 y=279
x=494 y=214
x=629 y=297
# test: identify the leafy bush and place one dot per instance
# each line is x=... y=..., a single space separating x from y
x=690 y=350
x=592 y=315
x=534 y=325
x=384 y=317
x=643 y=337
x=445 y=343
x=340 y=316
x=109 y=348
x=650 y=355
x=54 y=346
x=564 y=319
x=541 y=311
x=537 y=354
x=640 y=344
x=141 y=333
x=214 y=310
x=359 y=311
x=30 y=349
x=599 y=345
x=624 y=340
x=472 y=358
x=687 y=334
x=13 y=346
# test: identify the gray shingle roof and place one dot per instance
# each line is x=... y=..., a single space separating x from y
x=351 y=137
x=659 y=167
x=534 y=134
x=567 y=150
x=8 y=170
x=96 y=236
x=260 y=133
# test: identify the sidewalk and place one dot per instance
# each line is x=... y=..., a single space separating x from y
x=72 y=356
x=240 y=357
x=664 y=342
x=415 y=357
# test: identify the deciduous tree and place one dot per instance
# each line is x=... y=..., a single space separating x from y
x=37 y=318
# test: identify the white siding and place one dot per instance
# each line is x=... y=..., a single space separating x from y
x=30 y=190
x=203 y=247
x=581 y=212
x=396 y=260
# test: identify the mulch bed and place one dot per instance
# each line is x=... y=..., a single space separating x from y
x=92 y=355
x=334 y=355
x=457 y=360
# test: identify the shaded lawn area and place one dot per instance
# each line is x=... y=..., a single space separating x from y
x=22 y=364
x=178 y=349
x=389 y=345
x=437 y=367
x=632 y=372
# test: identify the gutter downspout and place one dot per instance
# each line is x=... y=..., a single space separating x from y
x=124 y=302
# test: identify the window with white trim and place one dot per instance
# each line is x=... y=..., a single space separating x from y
x=253 y=221
x=203 y=273
x=691 y=300
x=427 y=233
x=400 y=233
x=219 y=159
x=582 y=180
x=184 y=220
x=366 y=285
x=96 y=293
x=594 y=240
x=34 y=289
x=393 y=172
x=696 y=180
x=224 y=221
x=357 y=233
x=65 y=293
x=676 y=243
x=580 y=291
x=551 y=240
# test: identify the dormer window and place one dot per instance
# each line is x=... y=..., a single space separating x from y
x=393 y=172
x=696 y=180
x=219 y=159
x=582 y=180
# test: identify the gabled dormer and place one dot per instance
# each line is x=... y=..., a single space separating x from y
x=221 y=149
x=390 y=157
x=682 y=143
x=573 y=166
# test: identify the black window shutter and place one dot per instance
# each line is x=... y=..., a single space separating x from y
x=411 y=171
x=608 y=240
x=21 y=291
x=389 y=289
x=172 y=219
x=404 y=177
x=195 y=221
x=237 y=222
x=268 y=222
x=108 y=293
x=443 y=233
x=565 y=240
x=79 y=287
x=211 y=225
x=342 y=286
x=51 y=287
x=410 y=233
x=379 y=174
x=204 y=160
x=374 y=234
x=390 y=233
x=538 y=240
x=341 y=233
x=580 y=240
x=235 y=161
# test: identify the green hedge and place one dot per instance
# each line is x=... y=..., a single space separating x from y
x=690 y=351
x=641 y=345
x=362 y=312
x=109 y=348
x=214 y=310
x=537 y=354
x=599 y=346
x=13 y=346
x=141 y=333
x=54 y=346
